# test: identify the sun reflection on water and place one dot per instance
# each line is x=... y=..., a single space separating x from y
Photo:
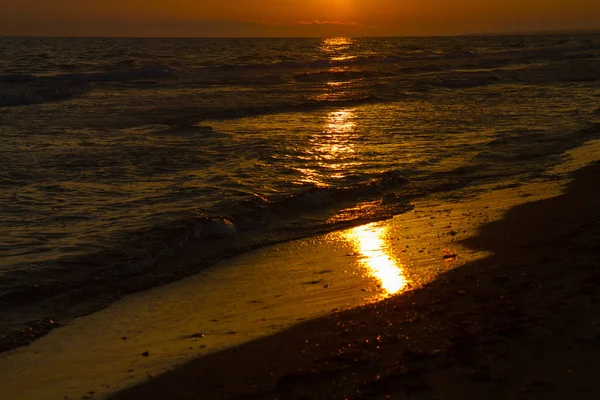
x=337 y=70
x=369 y=241
x=331 y=154
x=341 y=121
x=336 y=47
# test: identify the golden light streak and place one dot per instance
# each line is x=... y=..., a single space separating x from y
x=336 y=48
x=369 y=241
x=332 y=151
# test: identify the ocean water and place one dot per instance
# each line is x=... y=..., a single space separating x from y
x=127 y=163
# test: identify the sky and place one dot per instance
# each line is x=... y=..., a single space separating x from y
x=235 y=18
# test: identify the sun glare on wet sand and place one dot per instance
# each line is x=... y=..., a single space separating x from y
x=370 y=244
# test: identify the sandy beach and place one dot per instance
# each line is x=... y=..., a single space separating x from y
x=523 y=322
x=441 y=302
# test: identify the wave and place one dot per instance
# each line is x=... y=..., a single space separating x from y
x=71 y=287
x=468 y=82
x=328 y=76
x=143 y=72
x=188 y=117
x=323 y=63
x=26 y=89
x=185 y=127
x=526 y=147
x=319 y=63
x=418 y=62
x=326 y=63
x=316 y=197
x=368 y=88
x=565 y=70
x=41 y=96
x=575 y=51
x=245 y=224
x=579 y=59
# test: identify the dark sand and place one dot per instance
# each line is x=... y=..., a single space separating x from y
x=522 y=323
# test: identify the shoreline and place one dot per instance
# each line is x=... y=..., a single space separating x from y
x=266 y=291
x=522 y=322
x=31 y=312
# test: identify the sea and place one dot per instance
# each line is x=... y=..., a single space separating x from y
x=129 y=163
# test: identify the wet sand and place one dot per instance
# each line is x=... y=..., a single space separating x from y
x=266 y=291
x=523 y=322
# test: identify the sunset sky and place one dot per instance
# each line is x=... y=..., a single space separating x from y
x=292 y=17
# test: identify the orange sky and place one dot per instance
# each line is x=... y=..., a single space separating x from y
x=290 y=17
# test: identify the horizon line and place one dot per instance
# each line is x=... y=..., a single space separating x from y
x=509 y=33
